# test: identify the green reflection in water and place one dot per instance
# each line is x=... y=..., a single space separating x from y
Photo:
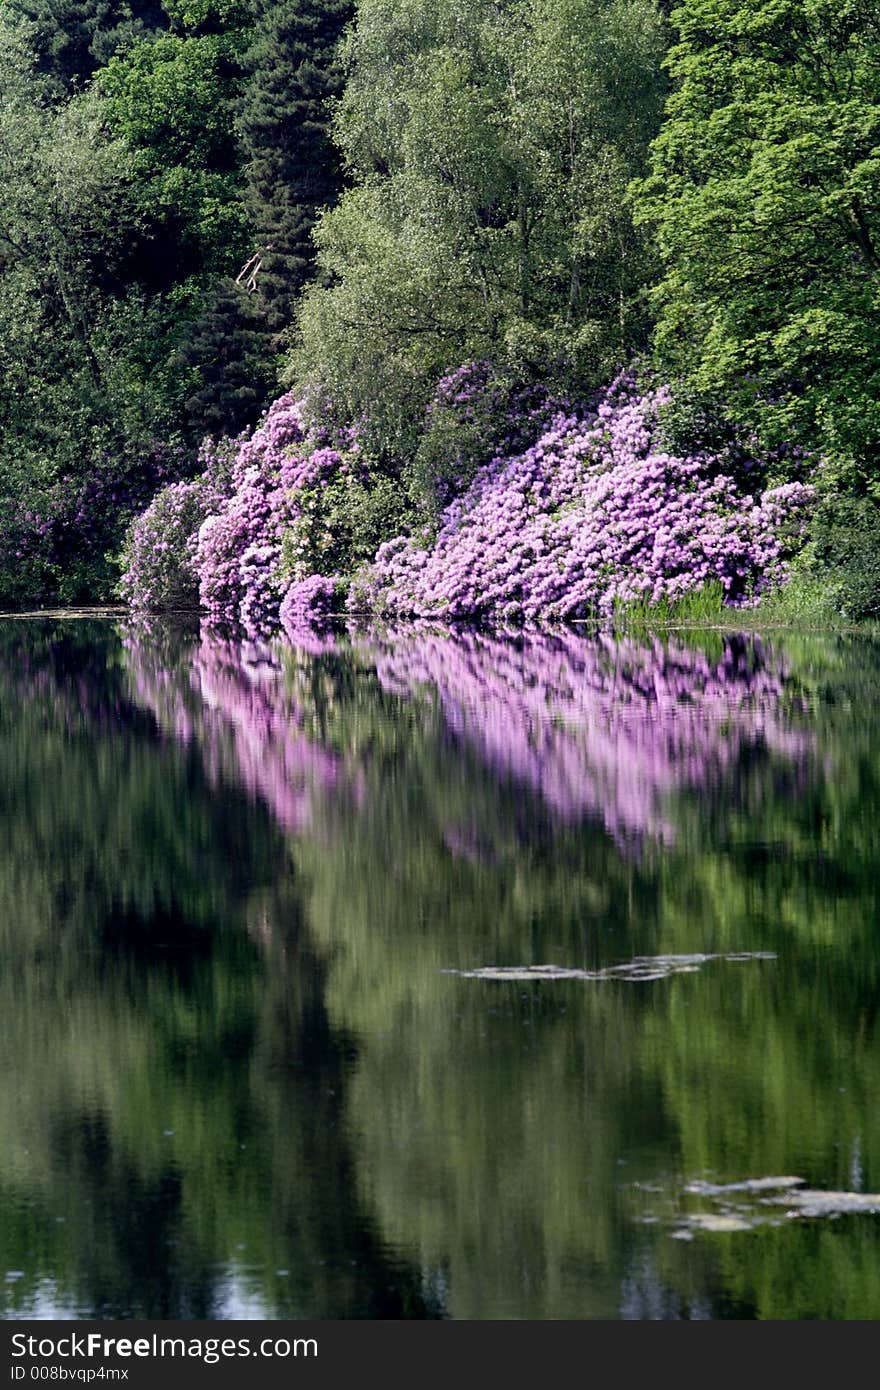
x=233 y=876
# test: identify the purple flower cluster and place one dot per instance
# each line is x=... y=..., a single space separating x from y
x=475 y=413
x=238 y=549
x=158 y=564
x=594 y=516
x=216 y=542
x=309 y=604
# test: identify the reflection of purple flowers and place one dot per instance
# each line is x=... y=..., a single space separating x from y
x=593 y=727
x=597 y=726
x=231 y=700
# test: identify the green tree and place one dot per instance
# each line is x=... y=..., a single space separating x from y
x=228 y=368
x=73 y=38
x=170 y=99
x=292 y=166
x=765 y=197
x=491 y=148
x=84 y=347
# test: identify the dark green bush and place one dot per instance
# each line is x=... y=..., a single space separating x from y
x=846 y=551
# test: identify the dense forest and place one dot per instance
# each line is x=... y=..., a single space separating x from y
x=489 y=309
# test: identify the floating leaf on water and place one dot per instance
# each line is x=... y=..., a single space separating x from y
x=816 y=1203
x=719 y=1221
x=642 y=968
x=786 y=1198
x=644 y=978
x=711 y=1189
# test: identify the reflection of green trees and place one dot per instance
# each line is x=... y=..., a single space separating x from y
x=395 y=1117
x=493 y=1117
x=171 y=1106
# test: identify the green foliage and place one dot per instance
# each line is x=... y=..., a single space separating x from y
x=704 y=606
x=491 y=150
x=341 y=525
x=291 y=165
x=227 y=364
x=71 y=39
x=475 y=413
x=169 y=95
x=120 y=209
x=765 y=196
x=74 y=356
x=449 y=181
x=846 y=553
x=211 y=16
x=170 y=99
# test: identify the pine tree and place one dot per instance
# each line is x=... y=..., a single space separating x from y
x=225 y=353
x=292 y=166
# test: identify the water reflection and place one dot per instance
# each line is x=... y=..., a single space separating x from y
x=237 y=1077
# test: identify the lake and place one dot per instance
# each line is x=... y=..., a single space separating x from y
x=273 y=1042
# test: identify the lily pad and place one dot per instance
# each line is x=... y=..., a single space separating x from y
x=718 y=1221
x=786 y=1199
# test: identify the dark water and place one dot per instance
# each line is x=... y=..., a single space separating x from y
x=237 y=1077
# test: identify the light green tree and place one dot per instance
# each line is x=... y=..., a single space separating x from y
x=765 y=198
x=490 y=148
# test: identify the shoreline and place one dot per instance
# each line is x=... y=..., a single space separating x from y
x=640 y=625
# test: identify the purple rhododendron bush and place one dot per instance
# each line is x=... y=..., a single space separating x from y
x=593 y=517
x=216 y=542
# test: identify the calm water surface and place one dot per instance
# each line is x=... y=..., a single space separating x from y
x=245 y=1069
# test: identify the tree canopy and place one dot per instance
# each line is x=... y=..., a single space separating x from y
x=765 y=196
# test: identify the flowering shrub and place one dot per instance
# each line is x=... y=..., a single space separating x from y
x=59 y=539
x=237 y=548
x=595 y=515
x=475 y=413
x=228 y=539
x=158 y=555
x=242 y=561
x=309 y=603
x=592 y=517
x=217 y=542
x=158 y=565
